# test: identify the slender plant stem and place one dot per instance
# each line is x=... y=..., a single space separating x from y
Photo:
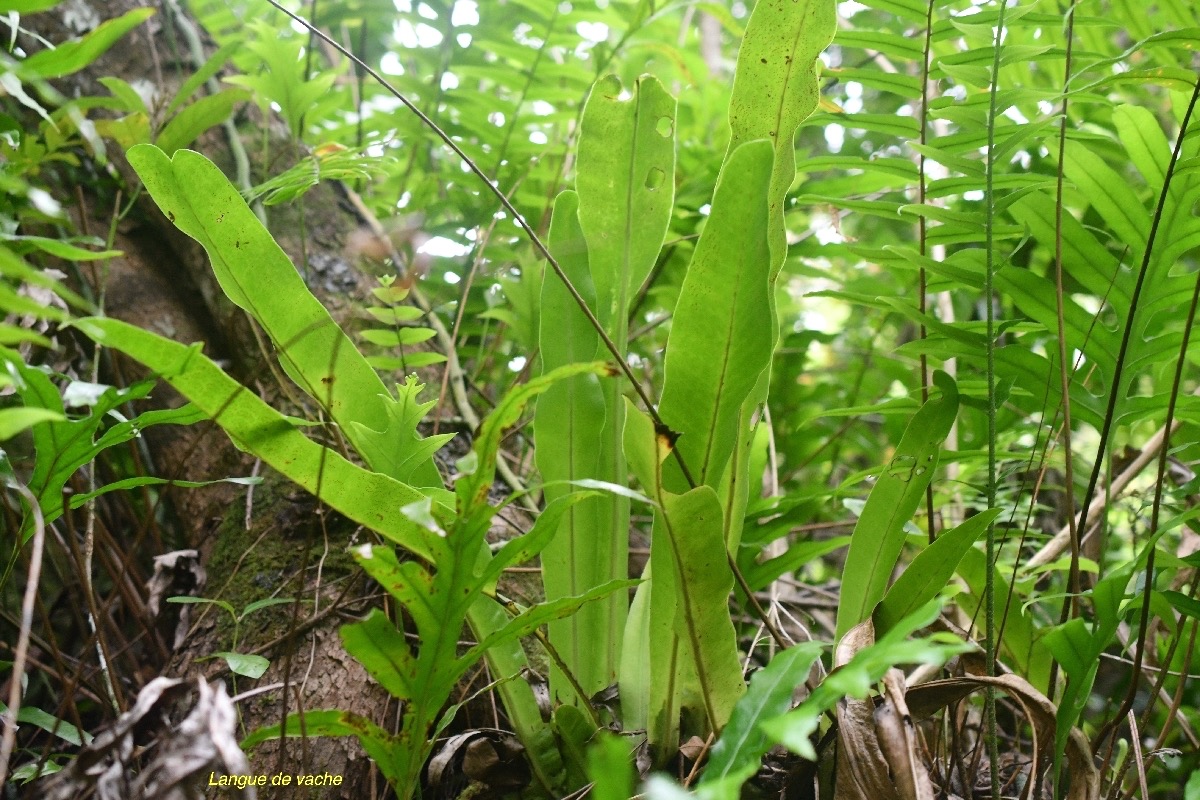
x=922 y=239
x=16 y=684
x=1164 y=451
x=1064 y=368
x=990 y=731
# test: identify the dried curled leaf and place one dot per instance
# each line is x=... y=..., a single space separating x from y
x=898 y=739
x=878 y=757
x=184 y=757
x=924 y=700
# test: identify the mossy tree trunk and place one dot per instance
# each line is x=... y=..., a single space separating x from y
x=269 y=541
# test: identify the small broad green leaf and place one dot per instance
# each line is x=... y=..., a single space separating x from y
x=187 y=125
x=265 y=602
x=51 y=724
x=36 y=769
x=1188 y=606
x=611 y=768
x=245 y=664
x=15 y=420
x=402 y=337
x=383 y=651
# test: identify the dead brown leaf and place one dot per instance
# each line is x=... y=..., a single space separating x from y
x=183 y=758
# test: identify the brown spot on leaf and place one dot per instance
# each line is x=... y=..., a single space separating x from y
x=666 y=437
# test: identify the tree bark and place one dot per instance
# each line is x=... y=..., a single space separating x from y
x=272 y=540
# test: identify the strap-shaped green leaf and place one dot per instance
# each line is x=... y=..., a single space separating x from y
x=690 y=572
x=625 y=176
x=721 y=335
x=775 y=89
x=258 y=277
x=369 y=498
x=590 y=550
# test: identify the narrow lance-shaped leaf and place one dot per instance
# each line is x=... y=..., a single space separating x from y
x=75 y=55
x=626 y=183
x=775 y=89
x=258 y=277
x=369 y=498
x=529 y=621
x=930 y=571
x=719 y=345
x=738 y=753
x=569 y=419
x=878 y=535
x=472 y=488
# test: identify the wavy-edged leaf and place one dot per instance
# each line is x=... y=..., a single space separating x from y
x=258 y=277
x=369 y=498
